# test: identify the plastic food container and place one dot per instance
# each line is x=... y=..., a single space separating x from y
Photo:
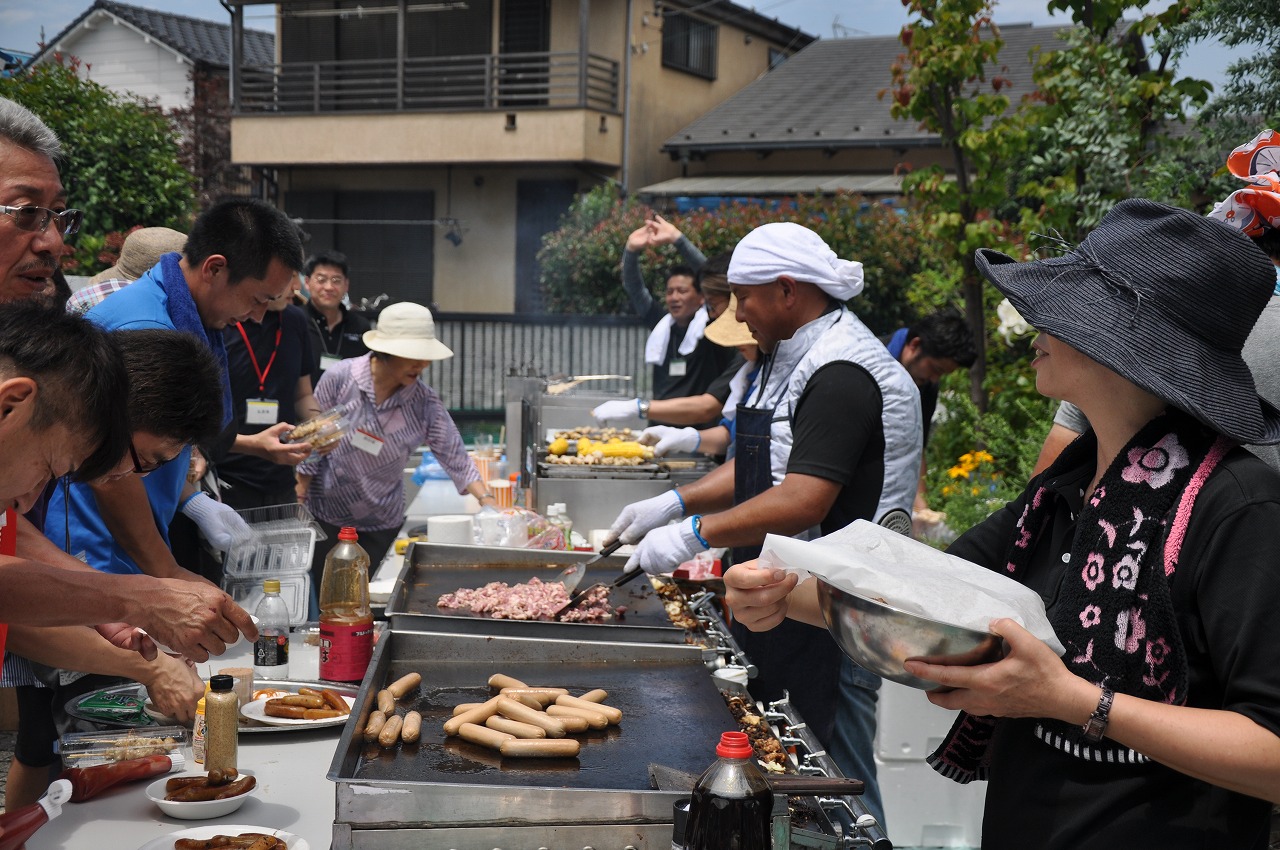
x=325 y=430
x=85 y=749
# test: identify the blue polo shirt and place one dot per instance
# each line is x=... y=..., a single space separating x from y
x=142 y=304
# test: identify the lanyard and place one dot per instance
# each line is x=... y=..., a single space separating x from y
x=261 y=373
x=322 y=325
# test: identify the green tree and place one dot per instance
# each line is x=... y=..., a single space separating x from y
x=121 y=156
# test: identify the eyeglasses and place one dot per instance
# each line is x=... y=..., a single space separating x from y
x=37 y=218
x=321 y=280
x=138 y=468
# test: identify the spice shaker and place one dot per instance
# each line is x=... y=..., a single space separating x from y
x=222 y=722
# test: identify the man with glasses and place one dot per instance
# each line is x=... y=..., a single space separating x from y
x=194 y=619
x=337 y=332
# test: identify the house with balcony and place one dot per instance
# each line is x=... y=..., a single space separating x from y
x=435 y=143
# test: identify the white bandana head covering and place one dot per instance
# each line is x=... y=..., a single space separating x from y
x=786 y=248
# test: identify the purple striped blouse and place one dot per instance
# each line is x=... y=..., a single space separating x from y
x=350 y=486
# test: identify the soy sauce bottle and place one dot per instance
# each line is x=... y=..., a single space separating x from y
x=732 y=803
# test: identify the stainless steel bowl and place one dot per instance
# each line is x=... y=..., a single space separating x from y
x=880 y=637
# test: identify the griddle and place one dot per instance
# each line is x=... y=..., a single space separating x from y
x=672 y=713
x=430 y=571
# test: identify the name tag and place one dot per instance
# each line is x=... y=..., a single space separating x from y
x=328 y=361
x=262 y=411
x=678 y=368
x=366 y=442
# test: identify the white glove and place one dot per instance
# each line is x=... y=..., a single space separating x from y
x=219 y=523
x=610 y=411
x=666 y=439
x=639 y=518
x=666 y=548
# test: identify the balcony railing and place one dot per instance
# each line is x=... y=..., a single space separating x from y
x=432 y=84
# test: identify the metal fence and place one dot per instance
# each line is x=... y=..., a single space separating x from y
x=437 y=83
x=487 y=348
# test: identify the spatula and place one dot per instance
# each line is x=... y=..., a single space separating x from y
x=581 y=596
x=571 y=576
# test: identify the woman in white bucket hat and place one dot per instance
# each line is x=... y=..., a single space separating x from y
x=391 y=412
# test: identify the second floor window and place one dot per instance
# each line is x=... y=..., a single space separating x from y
x=689 y=45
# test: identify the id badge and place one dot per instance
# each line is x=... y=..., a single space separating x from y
x=678 y=368
x=262 y=411
x=328 y=361
x=366 y=442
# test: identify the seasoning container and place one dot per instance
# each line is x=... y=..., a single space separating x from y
x=222 y=711
x=732 y=804
x=20 y=824
x=199 y=730
x=89 y=782
x=346 y=620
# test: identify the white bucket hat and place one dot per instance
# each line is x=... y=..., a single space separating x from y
x=407 y=330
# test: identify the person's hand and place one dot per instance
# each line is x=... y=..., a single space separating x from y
x=174 y=687
x=662 y=232
x=639 y=238
x=193 y=618
x=128 y=637
x=219 y=523
x=666 y=439
x=199 y=466
x=1030 y=681
x=269 y=446
x=639 y=518
x=617 y=409
x=663 y=549
x=758 y=597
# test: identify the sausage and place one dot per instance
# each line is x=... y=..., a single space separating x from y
x=243 y=785
x=598 y=695
x=594 y=719
x=391 y=731
x=573 y=723
x=498 y=681
x=404 y=684
x=566 y=748
x=518 y=711
x=179 y=782
x=316 y=701
x=411 y=728
x=515 y=727
x=527 y=699
x=386 y=702
x=275 y=708
x=483 y=735
x=479 y=714
x=308 y=692
x=614 y=714
x=376 y=721
x=322 y=713
x=335 y=700
x=544 y=696
x=222 y=777
x=465 y=706
x=196 y=793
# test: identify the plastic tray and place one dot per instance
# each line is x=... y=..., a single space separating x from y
x=284 y=540
x=295 y=590
x=84 y=749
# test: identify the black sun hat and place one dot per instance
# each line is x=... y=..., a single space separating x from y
x=1163 y=298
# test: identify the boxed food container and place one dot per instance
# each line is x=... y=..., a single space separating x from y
x=283 y=540
x=85 y=749
x=326 y=429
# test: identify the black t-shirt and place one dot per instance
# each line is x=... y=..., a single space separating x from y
x=344 y=341
x=703 y=365
x=1225 y=591
x=292 y=361
x=837 y=434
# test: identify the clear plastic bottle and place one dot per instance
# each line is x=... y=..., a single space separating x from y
x=732 y=803
x=346 y=620
x=557 y=515
x=222 y=710
x=271 y=651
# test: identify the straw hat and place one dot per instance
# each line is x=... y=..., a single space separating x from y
x=407 y=330
x=728 y=331
x=141 y=250
x=1165 y=299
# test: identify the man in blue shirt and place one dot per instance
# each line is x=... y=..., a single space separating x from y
x=240 y=257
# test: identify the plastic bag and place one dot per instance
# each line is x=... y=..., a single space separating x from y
x=430 y=468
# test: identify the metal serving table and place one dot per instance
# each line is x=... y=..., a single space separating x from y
x=450 y=793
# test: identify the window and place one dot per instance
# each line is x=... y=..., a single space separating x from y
x=689 y=45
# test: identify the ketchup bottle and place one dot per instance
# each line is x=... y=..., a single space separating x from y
x=89 y=782
x=21 y=824
x=346 y=620
x=732 y=804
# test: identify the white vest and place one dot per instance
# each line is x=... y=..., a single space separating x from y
x=835 y=337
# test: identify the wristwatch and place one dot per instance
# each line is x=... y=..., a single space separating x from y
x=1097 y=725
x=643 y=405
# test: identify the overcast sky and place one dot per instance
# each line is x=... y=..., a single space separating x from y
x=21 y=21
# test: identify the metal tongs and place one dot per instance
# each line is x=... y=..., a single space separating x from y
x=580 y=596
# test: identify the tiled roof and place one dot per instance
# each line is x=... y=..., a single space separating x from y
x=827 y=96
x=198 y=40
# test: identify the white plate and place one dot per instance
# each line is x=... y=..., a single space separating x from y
x=257 y=709
x=165 y=842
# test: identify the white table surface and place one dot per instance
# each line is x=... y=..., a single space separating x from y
x=293 y=792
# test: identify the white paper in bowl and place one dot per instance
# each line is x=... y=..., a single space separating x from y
x=872 y=561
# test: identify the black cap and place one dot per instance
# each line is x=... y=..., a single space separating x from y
x=680 y=810
x=221 y=682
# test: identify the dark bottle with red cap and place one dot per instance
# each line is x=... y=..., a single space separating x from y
x=732 y=803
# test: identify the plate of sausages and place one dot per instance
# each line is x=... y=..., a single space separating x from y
x=228 y=837
x=311 y=707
